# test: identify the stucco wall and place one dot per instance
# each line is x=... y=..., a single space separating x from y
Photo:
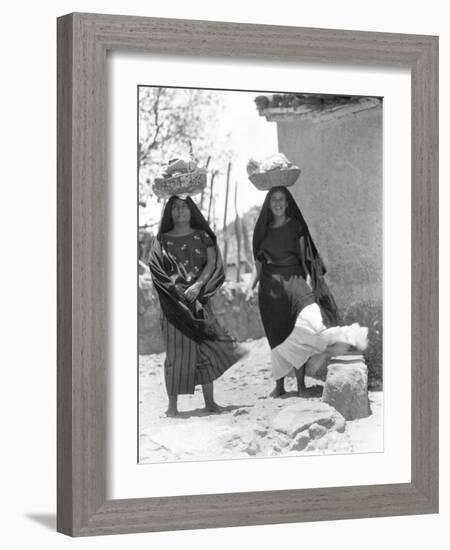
x=340 y=194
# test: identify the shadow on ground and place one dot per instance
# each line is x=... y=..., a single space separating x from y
x=47 y=520
x=203 y=412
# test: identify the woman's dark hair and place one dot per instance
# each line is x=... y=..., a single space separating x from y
x=265 y=217
x=197 y=219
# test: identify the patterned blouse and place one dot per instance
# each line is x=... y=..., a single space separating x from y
x=188 y=253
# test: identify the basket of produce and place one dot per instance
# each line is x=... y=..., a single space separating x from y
x=180 y=177
x=275 y=171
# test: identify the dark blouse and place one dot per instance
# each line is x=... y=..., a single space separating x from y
x=188 y=253
x=281 y=246
x=283 y=291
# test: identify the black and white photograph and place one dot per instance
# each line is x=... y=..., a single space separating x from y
x=260 y=278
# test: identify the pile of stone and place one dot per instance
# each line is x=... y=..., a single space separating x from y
x=318 y=426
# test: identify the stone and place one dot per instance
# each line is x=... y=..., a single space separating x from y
x=295 y=418
x=316 y=431
x=233 y=441
x=274 y=450
x=252 y=448
x=150 y=337
x=339 y=425
x=283 y=440
x=321 y=444
x=239 y=412
x=260 y=431
x=346 y=387
x=301 y=441
x=330 y=422
x=332 y=438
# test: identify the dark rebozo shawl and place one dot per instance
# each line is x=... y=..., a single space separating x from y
x=314 y=263
x=187 y=317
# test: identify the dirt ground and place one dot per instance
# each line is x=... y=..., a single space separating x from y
x=244 y=428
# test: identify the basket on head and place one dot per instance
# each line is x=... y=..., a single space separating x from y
x=188 y=183
x=278 y=177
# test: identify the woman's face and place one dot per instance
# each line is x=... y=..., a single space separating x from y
x=278 y=204
x=180 y=212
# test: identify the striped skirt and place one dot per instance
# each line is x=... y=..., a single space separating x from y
x=189 y=363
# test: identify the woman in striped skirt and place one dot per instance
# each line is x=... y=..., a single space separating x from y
x=187 y=270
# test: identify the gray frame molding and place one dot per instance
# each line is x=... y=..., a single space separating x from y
x=83 y=41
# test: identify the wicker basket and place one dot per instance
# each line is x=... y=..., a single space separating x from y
x=189 y=183
x=278 y=177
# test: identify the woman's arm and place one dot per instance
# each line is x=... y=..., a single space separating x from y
x=256 y=274
x=209 y=266
x=193 y=291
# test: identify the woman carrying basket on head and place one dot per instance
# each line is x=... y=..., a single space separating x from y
x=187 y=270
x=295 y=304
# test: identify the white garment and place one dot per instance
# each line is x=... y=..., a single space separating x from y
x=311 y=337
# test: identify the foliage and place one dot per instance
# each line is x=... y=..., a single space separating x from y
x=170 y=119
x=370 y=315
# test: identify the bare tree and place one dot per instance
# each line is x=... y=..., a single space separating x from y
x=169 y=119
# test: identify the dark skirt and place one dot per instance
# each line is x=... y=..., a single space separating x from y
x=283 y=293
x=189 y=363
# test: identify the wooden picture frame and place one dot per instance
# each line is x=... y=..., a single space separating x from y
x=83 y=41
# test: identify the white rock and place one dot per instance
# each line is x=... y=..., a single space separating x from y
x=252 y=448
x=240 y=412
x=322 y=443
x=339 y=425
x=332 y=438
x=301 y=441
x=316 y=431
x=295 y=418
x=346 y=387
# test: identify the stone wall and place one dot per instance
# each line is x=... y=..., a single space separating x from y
x=149 y=316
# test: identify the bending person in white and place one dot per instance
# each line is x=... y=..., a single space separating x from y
x=311 y=337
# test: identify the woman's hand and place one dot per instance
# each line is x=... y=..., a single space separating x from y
x=192 y=292
x=250 y=295
x=309 y=280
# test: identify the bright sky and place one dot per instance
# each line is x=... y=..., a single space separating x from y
x=250 y=136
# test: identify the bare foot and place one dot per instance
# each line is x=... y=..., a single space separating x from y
x=277 y=392
x=172 y=412
x=214 y=408
x=302 y=392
